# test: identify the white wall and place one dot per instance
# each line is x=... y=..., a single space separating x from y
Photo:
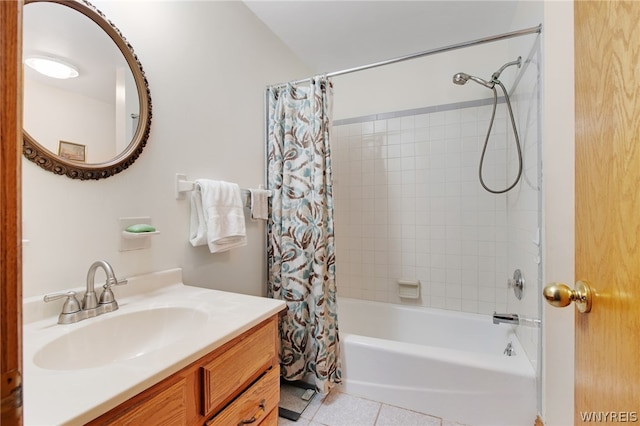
x=207 y=64
x=558 y=160
x=418 y=82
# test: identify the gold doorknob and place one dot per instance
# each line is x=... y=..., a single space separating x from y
x=560 y=295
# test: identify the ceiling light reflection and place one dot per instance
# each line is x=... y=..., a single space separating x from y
x=52 y=67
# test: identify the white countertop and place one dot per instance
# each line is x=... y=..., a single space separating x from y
x=58 y=397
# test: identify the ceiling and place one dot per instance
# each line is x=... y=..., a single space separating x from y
x=331 y=36
x=327 y=35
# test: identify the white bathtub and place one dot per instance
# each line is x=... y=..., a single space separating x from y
x=447 y=364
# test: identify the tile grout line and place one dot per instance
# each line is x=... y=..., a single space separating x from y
x=375 y=421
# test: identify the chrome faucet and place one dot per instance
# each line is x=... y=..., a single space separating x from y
x=506 y=319
x=73 y=311
x=90 y=301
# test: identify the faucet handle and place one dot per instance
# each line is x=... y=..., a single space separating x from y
x=107 y=296
x=71 y=305
x=114 y=281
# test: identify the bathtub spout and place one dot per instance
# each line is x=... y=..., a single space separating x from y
x=506 y=319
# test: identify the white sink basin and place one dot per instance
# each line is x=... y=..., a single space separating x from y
x=79 y=371
x=108 y=339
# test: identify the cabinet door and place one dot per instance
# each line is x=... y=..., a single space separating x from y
x=254 y=405
x=234 y=370
x=166 y=406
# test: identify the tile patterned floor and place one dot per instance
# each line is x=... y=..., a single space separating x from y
x=341 y=409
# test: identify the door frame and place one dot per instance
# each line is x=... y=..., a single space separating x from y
x=10 y=211
x=558 y=209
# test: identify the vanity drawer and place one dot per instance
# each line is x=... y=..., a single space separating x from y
x=226 y=376
x=271 y=419
x=257 y=405
x=164 y=404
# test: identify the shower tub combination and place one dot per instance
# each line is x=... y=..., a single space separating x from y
x=448 y=364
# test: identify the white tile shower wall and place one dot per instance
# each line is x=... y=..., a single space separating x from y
x=408 y=205
x=524 y=204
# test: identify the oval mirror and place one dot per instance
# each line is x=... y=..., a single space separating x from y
x=96 y=124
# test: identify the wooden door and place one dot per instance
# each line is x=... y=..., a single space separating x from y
x=607 y=84
x=10 y=210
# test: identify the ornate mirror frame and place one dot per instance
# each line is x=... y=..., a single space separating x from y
x=49 y=161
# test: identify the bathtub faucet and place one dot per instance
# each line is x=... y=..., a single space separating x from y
x=506 y=319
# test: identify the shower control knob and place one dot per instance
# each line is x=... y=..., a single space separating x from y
x=516 y=283
x=560 y=295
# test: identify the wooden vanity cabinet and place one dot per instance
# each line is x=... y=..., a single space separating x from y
x=240 y=381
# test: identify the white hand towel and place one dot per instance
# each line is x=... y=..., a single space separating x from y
x=197 y=224
x=217 y=216
x=259 y=204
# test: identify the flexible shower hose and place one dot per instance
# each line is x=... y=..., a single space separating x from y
x=486 y=141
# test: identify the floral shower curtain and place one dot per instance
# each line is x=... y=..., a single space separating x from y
x=300 y=241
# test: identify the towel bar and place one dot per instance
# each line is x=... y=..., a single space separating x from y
x=183 y=185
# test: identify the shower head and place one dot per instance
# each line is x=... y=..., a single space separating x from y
x=462 y=78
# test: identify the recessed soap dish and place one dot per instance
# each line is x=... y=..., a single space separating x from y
x=135 y=240
x=137 y=235
x=409 y=289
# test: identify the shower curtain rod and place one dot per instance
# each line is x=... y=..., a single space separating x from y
x=504 y=36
